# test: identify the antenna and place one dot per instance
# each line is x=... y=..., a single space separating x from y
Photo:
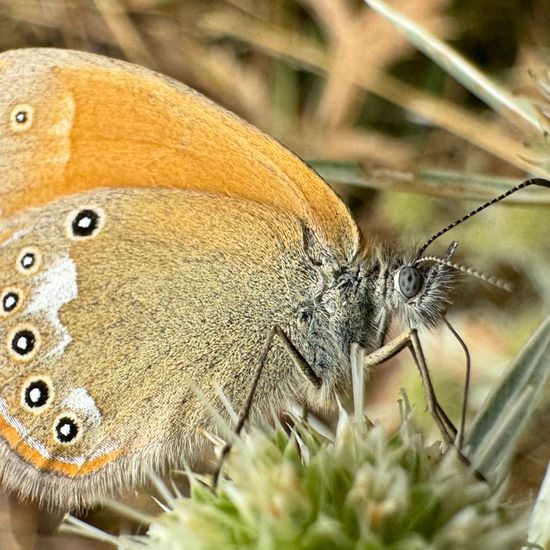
x=533 y=181
x=489 y=279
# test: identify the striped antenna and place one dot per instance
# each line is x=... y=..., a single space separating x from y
x=468 y=271
x=532 y=181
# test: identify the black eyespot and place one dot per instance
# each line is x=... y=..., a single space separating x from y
x=66 y=429
x=23 y=342
x=410 y=281
x=85 y=223
x=21 y=117
x=29 y=260
x=10 y=300
x=36 y=394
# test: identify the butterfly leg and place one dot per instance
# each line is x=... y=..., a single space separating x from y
x=299 y=361
x=411 y=341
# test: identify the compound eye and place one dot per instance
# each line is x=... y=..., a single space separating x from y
x=409 y=281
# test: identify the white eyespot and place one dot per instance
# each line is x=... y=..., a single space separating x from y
x=37 y=394
x=23 y=342
x=21 y=117
x=85 y=222
x=11 y=299
x=67 y=429
x=29 y=260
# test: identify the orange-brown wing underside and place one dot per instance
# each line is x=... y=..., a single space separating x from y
x=92 y=122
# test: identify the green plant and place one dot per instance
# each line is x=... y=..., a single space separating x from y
x=306 y=488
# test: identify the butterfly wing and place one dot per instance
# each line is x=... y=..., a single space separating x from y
x=75 y=121
x=115 y=305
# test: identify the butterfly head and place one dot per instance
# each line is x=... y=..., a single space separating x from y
x=415 y=290
x=421 y=289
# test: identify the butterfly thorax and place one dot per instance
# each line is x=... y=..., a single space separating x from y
x=356 y=301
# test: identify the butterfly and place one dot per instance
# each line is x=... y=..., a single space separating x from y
x=154 y=250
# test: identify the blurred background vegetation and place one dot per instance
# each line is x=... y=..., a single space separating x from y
x=334 y=81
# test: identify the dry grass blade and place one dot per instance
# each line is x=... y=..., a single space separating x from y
x=127 y=36
x=436 y=183
x=361 y=45
x=356 y=144
x=310 y=55
x=539 y=526
x=505 y=413
x=518 y=112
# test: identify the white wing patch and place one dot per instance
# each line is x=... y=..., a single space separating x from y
x=80 y=400
x=56 y=286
